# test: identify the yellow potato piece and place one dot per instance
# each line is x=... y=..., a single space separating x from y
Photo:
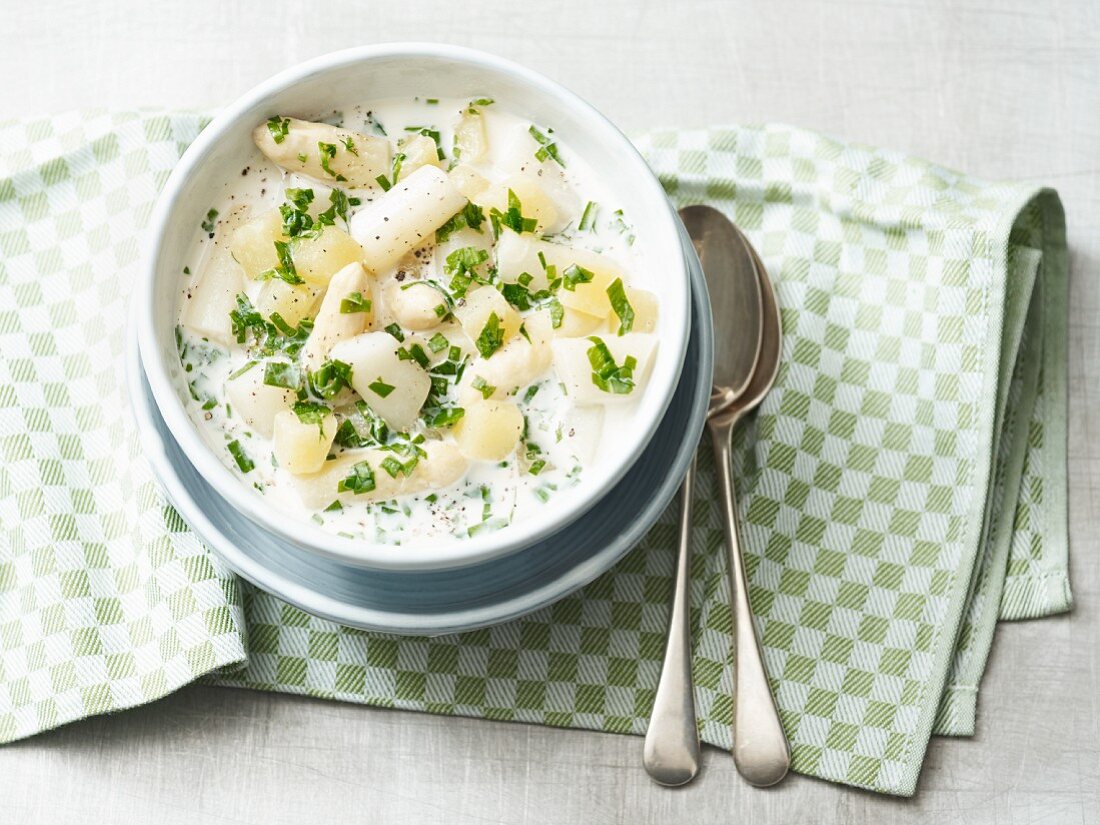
x=418 y=151
x=293 y=303
x=489 y=430
x=644 y=304
x=253 y=244
x=318 y=258
x=474 y=310
x=302 y=447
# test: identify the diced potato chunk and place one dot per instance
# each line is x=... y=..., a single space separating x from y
x=299 y=446
x=293 y=303
x=419 y=151
x=207 y=304
x=534 y=200
x=489 y=430
x=318 y=257
x=514 y=365
x=443 y=465
x=474 y=311
x=471 y=140
x=253 y=243
x=468 y=181
x=351 y=158
x=415 y=304
x=405 y=217
x=462 y=239
x=572 y=361
x=644 y=304
x=394 y=388
x=255 y=402
x=347 y=310
x=518 y=254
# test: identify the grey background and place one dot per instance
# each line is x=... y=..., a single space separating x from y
x=1006 y=89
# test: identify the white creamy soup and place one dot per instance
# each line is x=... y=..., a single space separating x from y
x=415 y=320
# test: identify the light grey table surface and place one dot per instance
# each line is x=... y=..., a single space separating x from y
x=1002 y=90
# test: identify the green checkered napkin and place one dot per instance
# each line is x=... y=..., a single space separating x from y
x=902 y=487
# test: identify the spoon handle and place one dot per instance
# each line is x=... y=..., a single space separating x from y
x=759 y=745
x=671 y=754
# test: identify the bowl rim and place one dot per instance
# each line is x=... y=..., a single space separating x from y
x=446 y=552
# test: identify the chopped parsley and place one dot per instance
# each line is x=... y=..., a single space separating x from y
x=285 y=271
x=548 y=146
x=395 y=331
x=470 y=215
x=438 y=342
x=588 y=216
x=208 y=224
x=575 y=275
x=329 y=379
x=245 y=463
x=380 y=387
x=270 y=337
x=446 y=417
x=606 y=374
x=354 y=303
x=512 y=218
x=461 y=266
x=279 y=127
x=282 y=374
x=619 y=302
x=328 y=152
x=349 y=144
x=484 y=388
x=492 y=336
x=310 y=412
x=359 y=480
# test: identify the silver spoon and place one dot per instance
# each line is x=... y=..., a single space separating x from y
x=760 y=747
x=671 y=753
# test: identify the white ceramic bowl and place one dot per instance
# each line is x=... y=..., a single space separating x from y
x=388 y=71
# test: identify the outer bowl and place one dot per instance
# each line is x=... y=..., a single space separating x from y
x=395 y=70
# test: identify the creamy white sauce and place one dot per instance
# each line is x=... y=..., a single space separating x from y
x=570 y=439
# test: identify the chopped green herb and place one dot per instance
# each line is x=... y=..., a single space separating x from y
x=619 y=302
x=237 y=373
x=623 y=227
x=279 y=128
x=432 y=101
x=360 y=480
x=470 y=215
x=557 y=313
x=481 y=101
x=484 y=388
x=380 y=387
x=548 y=147
x=532 y=391
x=588 y=216
x=392 y=466
x=310 y=412
x=335 y=507
x=512 y=218
x=328 y=152
x=282 y=374
x=395 y=331
x=349 y=144
x=574 y=275
x=438 y=342
x=447 y=417
x=329 y=379
x=338 y=208
x=492 y=336
x=606 y=374
x=245 y=463
x=461 y=265
x=384 y=182
x=285 y=271
x=355 y=303
x=208 y=224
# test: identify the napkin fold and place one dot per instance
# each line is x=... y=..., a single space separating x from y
x=902 y=488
